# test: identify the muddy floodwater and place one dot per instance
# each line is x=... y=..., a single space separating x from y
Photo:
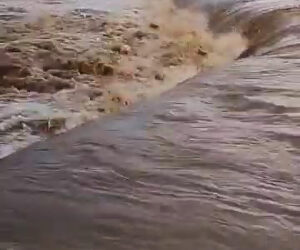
x=212 y=164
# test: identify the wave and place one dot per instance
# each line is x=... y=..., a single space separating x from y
x=260 y=26
x=268 y=26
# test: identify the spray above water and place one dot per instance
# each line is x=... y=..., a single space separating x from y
x=214 y=165
x=96 y=62
x=189 y=30
x=185 y=46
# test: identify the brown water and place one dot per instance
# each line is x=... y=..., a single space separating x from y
x=212 y=164
x=19 y=111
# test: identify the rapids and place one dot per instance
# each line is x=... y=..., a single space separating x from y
x=212 y=164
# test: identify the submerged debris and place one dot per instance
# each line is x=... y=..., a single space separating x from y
x=154 y=26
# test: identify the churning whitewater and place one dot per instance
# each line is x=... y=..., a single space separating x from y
x=210 y=164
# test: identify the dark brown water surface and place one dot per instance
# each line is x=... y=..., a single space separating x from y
x=214 y=164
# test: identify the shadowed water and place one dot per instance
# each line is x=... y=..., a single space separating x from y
x=213 y=164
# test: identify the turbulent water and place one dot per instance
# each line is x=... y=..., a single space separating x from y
x=19 y=111
x=212 y=164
